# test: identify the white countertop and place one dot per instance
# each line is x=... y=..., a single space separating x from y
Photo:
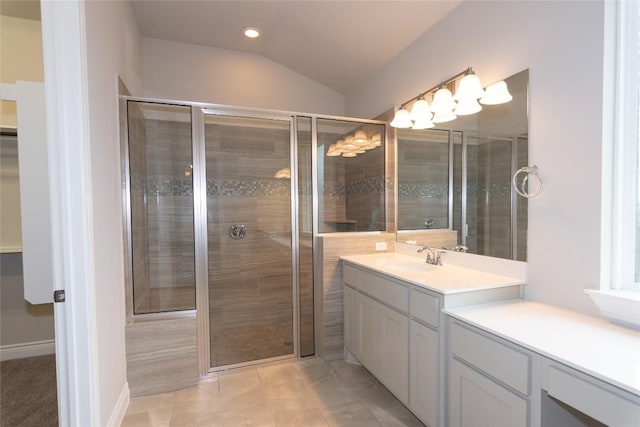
x=589 y=344
x=445 y=279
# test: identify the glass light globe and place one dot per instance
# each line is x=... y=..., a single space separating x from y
x=420 y=110
x=466 y=107
x=469 y=87
x=496 y=93
x=443 y=117
x=401 y=119
x=423 y=124
x=442 y=101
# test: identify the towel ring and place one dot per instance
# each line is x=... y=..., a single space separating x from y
x=521 y=189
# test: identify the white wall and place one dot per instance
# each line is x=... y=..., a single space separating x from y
x=113 y=48
x=189 y=72
x=561 y=43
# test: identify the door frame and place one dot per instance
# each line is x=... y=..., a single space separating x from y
x=67 y=109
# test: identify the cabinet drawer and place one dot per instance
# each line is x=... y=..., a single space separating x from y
x=591 y=396
x=349 y=274
x=425 y=307
x=384 y=290
x=491 y=356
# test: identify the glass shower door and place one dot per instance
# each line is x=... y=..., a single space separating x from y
x=248 y=182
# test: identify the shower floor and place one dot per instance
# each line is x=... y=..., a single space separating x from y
x=251 y=343
x=166 y=299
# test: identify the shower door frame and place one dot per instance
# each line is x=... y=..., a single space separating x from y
x=198 y=114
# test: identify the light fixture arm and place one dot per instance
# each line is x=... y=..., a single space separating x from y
x=442 y=84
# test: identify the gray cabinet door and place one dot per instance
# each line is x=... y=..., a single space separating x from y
x=477 y=401
x=393 y=353
x=368 y=338
x=423 y=373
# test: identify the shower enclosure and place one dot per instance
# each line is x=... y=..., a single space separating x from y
x=221 y=213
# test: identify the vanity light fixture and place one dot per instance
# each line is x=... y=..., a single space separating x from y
x=421 y=114
x=496 y=93
x=360 y=138
x=445 y=106
x=355 y=144
x=334 y=151
x=284 y=173
x=469 y=87
x=401 y=119
x=466 y=107
x=251 y=32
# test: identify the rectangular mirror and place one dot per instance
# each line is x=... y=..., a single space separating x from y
x=454 y=181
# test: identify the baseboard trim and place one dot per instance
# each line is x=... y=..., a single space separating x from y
x=117 y=415
x=27 y=349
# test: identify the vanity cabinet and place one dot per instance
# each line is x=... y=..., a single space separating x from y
x=494 y=382
x=393 y=327
x=400 y=350
x=489 y=380
x=376 y=334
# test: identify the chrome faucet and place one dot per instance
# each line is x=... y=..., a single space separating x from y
x=434 y=256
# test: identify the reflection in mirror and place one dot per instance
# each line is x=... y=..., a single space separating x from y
x=454 y=182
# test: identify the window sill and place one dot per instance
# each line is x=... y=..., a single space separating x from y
x=618 y=306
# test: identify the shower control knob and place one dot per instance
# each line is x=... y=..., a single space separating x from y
x=237 y=231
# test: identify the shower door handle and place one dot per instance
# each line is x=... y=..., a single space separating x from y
x=237 y=231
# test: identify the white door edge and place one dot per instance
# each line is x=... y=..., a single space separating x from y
x=66 y=94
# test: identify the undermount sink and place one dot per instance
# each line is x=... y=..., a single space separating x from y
x=409 y=266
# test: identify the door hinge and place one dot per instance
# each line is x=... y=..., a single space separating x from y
x=58 y=296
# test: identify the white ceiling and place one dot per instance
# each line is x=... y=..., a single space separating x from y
x=336 y=43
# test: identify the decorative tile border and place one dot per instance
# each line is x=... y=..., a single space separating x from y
x=169 y=187
x=423 y=190
x=248 y=188
x=365 y=186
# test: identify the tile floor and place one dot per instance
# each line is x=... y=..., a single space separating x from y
x=296 y=393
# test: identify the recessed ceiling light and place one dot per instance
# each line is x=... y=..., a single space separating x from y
x=251 y=32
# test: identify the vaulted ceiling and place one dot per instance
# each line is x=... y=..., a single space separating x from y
x=336 y=43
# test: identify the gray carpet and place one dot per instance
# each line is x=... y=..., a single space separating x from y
x=28 y=392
